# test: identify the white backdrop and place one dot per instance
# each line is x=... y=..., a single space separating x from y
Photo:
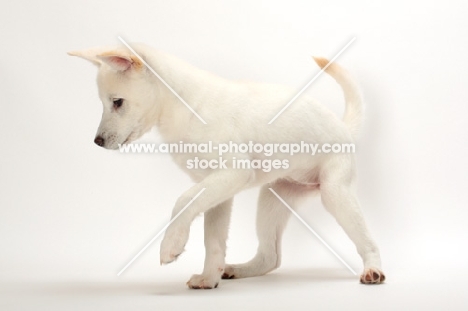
x=72 y=211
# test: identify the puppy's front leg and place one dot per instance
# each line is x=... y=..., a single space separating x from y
x=219 y=186
x=216 y=232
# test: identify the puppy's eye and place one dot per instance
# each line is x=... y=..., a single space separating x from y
x=117 y=102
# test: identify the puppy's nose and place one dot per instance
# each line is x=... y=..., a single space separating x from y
x=99 y=141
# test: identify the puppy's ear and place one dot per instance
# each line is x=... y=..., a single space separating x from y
x=90 y=54
x=120 y=60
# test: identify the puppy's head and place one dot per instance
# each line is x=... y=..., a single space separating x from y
x=127 y=92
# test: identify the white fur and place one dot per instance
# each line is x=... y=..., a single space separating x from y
x=238 y=112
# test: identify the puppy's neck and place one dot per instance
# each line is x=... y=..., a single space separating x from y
x=175 y=119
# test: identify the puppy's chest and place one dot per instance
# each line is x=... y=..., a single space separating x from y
x=191 y=164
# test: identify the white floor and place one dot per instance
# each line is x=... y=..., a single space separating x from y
x=285 y=289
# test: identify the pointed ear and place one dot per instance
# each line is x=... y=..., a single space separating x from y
x=90 y=54
x=120 y=60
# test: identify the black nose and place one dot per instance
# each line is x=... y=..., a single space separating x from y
x=99 y=141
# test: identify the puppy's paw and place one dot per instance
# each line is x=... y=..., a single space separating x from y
x=259 y=265
x=229 y=272
x=372 y=276
x=200 y=281
x=173 y=244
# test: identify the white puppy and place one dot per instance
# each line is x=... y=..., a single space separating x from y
x=135 y=100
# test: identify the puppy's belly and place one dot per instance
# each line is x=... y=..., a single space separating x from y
x=308 y=180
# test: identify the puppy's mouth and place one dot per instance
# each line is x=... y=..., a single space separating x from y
x=126 y=141
x=130 y=138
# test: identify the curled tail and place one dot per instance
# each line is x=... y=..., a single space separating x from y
x=354 y=104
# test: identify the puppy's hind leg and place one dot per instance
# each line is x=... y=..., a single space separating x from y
x=216 y=232
x=340 y=200
x=272 y=217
